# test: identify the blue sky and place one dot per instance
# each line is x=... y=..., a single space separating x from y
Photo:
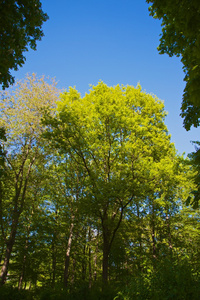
x=114 y=41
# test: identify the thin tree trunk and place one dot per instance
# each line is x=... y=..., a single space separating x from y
x=140 y=240
x=67 y=256
x=54 y=262
x=21 y=278
x=169 y=233
x=73 y=270
x=83 y=264
x=90 y=267
x=54 y=251
x=95 y=257
x=22 y=274
x=25 y=285
x=153 y=242
x=153 y=233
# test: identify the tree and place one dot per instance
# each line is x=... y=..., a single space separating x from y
x=2 y=153
x=194 y=197
x=20 y=28
x=118 y=137
x=21 y=111
x=181 y=37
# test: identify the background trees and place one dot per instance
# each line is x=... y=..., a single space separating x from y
x=21 y=118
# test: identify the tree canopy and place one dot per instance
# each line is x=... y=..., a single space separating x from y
x=181 y=37
x=117 y=136
x=93 y=197
x=20 y=28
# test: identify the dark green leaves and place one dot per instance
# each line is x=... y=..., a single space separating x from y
x=181 y=37
x=20 y=28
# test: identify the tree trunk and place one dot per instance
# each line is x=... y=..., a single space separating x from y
x=54 y=250
x=54 y=262
x=84 y=264
x=95 y=257
x=108 y=238
x=90 y=266
x=169 y=233
x=153 y=232
x=140 y=260
x=106 y=250
x=67 y=256
x=22 y=272
x=153 y=242
x=73 y=270
x=9 y=246
x=21 y=278
x=20 y=190
x=4 y=270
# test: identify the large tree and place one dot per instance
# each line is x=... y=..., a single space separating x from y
x=117 y=136
x=181 y=37
x=20 y=28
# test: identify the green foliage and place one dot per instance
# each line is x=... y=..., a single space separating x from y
x=2 y=151
x=106 y=185
x=21 y=112
x=169 y=279
x=116 y=136
x=20 y=28
x=181 y=36
x=10 y=293
x=194 y=198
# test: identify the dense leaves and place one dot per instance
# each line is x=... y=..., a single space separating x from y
x=181 y=37
x=118 y=137
x=20 y=28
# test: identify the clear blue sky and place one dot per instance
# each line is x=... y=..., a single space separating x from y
x=115 y=41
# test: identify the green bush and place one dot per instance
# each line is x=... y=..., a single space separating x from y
x=10 y=293
x=168 y=280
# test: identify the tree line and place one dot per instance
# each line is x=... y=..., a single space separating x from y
x=93 y=196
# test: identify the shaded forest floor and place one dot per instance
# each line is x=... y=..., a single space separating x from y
x=141 y=288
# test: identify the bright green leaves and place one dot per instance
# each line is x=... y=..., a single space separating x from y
x=118 y=136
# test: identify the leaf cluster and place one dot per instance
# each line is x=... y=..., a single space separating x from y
x=181 y=37
x=20 y=28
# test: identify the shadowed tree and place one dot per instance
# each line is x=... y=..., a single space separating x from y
x=181 y=37
x=20 y=28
